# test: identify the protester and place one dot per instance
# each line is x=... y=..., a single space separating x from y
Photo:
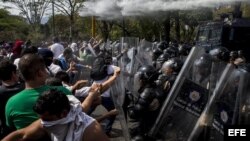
x=19 y=112
x=10 y=86
x=56 y=48
x=63 y=118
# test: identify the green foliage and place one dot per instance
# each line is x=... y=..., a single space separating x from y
x=12 y=27
x=246 y=10
x=36 y=37
x=82 y=27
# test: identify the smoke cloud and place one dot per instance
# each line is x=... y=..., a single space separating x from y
x=110 y=9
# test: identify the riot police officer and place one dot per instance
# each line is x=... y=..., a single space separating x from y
x=172 y=51
x=169 y=70
x=156 y=53
x=161 y=59
x=220 y=54
x=202 y=70
x=144 y=110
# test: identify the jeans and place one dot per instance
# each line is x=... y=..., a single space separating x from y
x=108 y=103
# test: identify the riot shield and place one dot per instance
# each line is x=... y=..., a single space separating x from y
x=118 y=96
x=244 y=91
x=222 y=108
x=90 y=48
x=116 y=48
x=145 y=53
x=128 y=63
x=87 y=59
x=218 y=66
x=186 y=99
x=117 y=53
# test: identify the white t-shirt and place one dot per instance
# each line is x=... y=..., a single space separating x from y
x=16 y=61
x=54 y=68
x=57 y=49
x=73 y=47
x=71 y=127
x=83 y=92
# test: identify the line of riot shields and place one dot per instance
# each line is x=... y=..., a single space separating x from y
x=177 y=93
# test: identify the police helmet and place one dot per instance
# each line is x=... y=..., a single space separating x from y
x=204 y=60
x=156 y=53
x=174 y=63
x=147 y=73
x=162 y=45
x=203 y=64
x=161 y=59
x=184 y=50
x=172 y=51
x=220 y=53
x=233 y=54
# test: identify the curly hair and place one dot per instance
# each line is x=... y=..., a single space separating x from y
x=52 y=101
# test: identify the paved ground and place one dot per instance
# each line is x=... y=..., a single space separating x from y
x=116 y=134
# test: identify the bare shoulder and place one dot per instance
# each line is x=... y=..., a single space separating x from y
x=94 y=132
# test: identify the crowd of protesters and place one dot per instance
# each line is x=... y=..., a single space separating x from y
x=46 y=92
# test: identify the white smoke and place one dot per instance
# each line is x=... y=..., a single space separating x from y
x=117 y=8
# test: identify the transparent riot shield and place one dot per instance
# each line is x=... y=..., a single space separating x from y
x=118 y=96
x=145 y=53
x=222 y=108
x=90 y=48
x=244 y=90
x=116 y=48
x=87 y=54
x=128 y=63
x=117 y=53
x=186 y=99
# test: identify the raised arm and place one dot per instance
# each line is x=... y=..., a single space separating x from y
x=105 y=85
x=93 y=94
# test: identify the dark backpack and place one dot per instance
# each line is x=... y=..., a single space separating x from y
x=99 y=69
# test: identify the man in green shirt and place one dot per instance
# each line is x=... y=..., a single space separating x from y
x=19 y=108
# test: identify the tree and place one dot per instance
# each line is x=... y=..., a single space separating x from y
x=71 y=9
x=12 y=27
x=105 y=27
x=62 y=22
x=32 y=10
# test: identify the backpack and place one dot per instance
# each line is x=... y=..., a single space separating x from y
x=99 y=69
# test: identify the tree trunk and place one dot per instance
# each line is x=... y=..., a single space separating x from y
x=166 y=25
x=237 y=12
x=71 y=28
x=177 y=26
x=105 y=28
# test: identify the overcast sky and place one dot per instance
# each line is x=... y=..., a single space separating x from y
x=118 y=8
x=13 y=10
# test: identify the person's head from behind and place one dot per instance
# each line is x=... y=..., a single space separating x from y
x=63 y=76
x=8 y=71
x=52 y=81
x=67 y=53
x=47 y=56
x=52 y=105
x=32 y=68
x=31 y=49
